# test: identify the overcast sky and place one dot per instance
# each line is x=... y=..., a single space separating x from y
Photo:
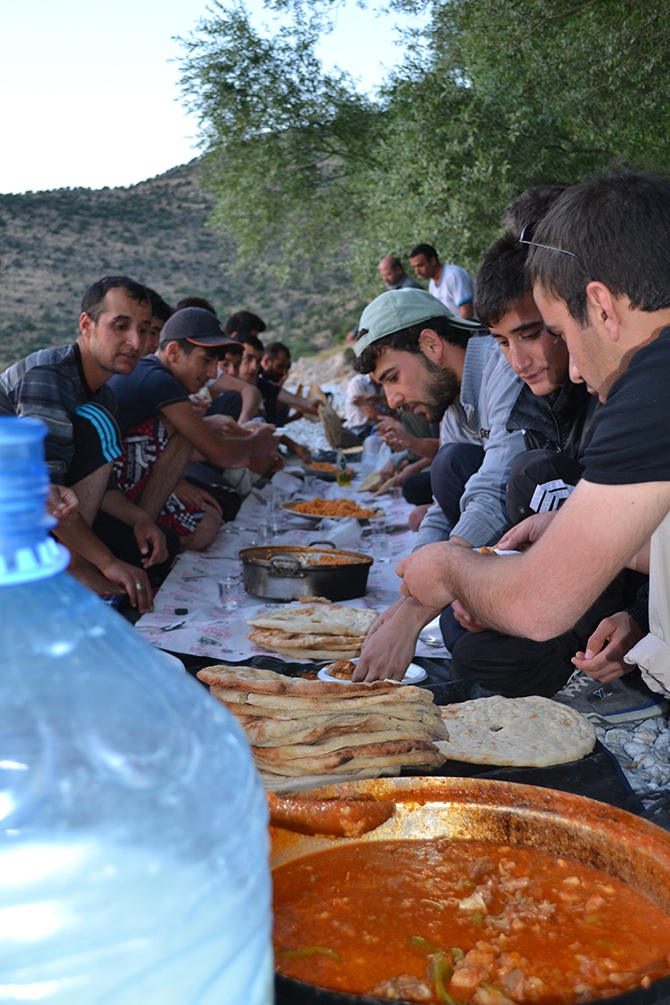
x=90 y=92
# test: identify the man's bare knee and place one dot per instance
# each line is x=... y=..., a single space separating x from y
x=204 y=534
x=90 y=491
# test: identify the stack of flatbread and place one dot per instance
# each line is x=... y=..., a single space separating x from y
x=524 y=732
x=317 y=632
x=304 y=732
x=332 y=424
x=371 y=482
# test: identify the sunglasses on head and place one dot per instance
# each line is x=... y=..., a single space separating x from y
x=525 y=238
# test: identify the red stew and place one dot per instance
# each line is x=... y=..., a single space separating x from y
x=464 y=922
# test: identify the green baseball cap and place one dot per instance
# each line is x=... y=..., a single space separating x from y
x=397 y=309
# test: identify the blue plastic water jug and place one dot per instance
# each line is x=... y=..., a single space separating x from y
x=133 y=841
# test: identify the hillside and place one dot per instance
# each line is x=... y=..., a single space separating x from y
x=53 y=244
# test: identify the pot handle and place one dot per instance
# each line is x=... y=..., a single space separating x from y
x=313 y=544
x=285 y=565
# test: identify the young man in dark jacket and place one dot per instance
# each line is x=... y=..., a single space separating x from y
x=557 y=420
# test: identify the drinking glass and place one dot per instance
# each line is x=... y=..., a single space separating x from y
x=379 y=545
x=229 y=591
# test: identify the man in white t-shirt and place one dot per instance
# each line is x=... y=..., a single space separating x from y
x=451 y=284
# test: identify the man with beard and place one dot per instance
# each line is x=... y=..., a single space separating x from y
x=436 y=364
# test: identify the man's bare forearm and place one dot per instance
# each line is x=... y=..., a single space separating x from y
x=165 y=475
x=423 y=446
x=79 y=538
x=543 y=592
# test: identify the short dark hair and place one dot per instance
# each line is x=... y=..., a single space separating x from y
x=273 y=349
x=619 y=226
x=196 y=302
x=243 y=321
x=529 y=207
x=423 y=249
x=188 y=347
x=501 y=281
x=159 y=308
x=407 y=340
x=94 y=296
x=246 y=338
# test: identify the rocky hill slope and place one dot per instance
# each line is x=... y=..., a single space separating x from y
x=53 y=244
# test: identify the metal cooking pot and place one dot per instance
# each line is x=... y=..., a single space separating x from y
x=288 y=572
x=602 y=836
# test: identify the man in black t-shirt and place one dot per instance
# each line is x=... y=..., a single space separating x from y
x=600 y=265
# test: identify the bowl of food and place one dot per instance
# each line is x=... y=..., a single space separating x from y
x=285 y=572
x=333 y=509
x=474 y=891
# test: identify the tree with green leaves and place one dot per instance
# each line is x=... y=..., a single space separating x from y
x=491 y=97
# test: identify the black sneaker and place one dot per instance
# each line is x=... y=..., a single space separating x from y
x=626 y=699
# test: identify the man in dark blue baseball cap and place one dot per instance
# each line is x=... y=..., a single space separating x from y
x=160 y=428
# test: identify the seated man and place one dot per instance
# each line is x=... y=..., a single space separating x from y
x=617 y=329
x=275 y=366
x=391 y=270
x=419 y=441
x=273 y=395
x=450 y=284
x=67 y=388
x=364 y=405
x=435 y=364
x=160 y=312
x=245 y=328
x=161 y=429
x=556 y=417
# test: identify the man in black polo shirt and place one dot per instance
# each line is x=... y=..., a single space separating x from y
x=600 y=265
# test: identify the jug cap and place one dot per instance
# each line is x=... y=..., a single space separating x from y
x=27 y=552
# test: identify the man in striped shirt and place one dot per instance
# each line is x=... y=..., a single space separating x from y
x=65 y=386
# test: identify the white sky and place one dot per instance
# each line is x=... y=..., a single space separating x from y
x=90 y=95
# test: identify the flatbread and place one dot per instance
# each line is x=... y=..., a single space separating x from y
x=302 y=729
x=315 y=654
x=386 y=486
x=292 y=750
x=248 y=680
x=319 y=701
x=371 y=482
x=268 y=731
x=363 y=756
x=320 y=619
x=272 y=637
x=285 y=719
x=332 y=424
x=523 y=732
x=314 y=600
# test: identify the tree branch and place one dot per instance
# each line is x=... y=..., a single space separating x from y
x=556 y=17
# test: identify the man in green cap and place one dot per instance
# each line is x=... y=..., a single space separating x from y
x=448 y=368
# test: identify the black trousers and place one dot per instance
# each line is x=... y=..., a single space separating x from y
x=517 y=667
x=120 y=540
x=540 y=480
x=454 y=464
x=417 y=488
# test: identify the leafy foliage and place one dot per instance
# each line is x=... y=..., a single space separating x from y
x=494 y=96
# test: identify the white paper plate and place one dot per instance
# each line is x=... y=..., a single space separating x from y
x=413 y=674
